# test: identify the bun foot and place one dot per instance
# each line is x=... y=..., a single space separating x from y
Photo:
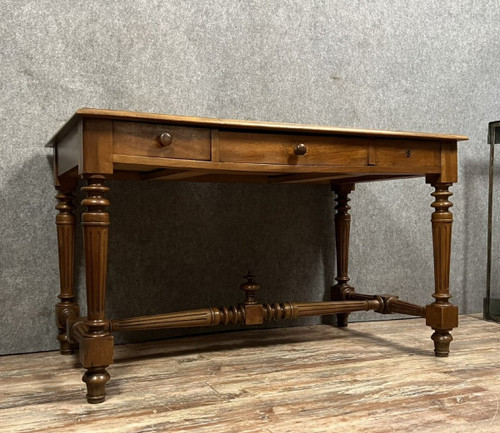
x=442 y=340
x=342 y=320
x=96 y=384
x=66 y=348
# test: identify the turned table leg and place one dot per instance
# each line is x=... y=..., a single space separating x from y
x=65 y=221
x=342 y=230
x=441 y=315
x=96 y=345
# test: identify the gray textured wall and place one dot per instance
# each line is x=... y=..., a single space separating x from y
x=425 y=66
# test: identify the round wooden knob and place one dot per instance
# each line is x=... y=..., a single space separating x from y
x=165 y=139
x=300 y=149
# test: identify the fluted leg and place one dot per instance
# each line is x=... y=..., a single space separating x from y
x=67 y=306
x=441 y=315
x=342 y=231
x=96 y=348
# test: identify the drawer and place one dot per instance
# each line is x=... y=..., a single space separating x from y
x=143 y=139
x=405 y=154
x=265 y=148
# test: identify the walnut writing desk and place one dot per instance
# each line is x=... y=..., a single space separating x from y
x=97 y=145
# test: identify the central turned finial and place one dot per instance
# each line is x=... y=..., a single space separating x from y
x=250 y=287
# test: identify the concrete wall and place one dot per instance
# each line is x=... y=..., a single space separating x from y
x=426 y=66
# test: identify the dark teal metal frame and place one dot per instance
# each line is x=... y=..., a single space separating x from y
x=491 y=308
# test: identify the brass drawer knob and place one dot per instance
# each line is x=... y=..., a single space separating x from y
x=300 y=149
x=165 y=139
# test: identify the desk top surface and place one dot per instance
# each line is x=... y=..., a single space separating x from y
x=244 y=124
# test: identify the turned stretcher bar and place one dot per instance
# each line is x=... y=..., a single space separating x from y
x=250 y=314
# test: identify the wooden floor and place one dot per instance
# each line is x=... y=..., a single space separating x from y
x=370 y=377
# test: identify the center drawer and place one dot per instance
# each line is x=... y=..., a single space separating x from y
x=265 y=148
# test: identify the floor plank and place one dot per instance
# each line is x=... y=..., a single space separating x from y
x=370 y=377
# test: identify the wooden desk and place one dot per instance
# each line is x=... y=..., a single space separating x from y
x=101 y=144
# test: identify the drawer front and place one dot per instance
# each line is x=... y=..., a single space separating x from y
x=143 y=139
x=406 y=154
x=265 y=148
